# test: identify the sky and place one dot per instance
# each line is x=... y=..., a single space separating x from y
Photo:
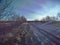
x=36 y=9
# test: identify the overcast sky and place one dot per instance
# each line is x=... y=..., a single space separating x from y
x=36 y=9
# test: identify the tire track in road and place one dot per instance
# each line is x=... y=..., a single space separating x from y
x=52 y=37
x=40 y=38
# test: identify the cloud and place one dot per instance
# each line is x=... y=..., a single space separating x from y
x=37 y=7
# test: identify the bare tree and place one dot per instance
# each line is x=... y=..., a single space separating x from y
x=48 y=18
x=17 y=18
